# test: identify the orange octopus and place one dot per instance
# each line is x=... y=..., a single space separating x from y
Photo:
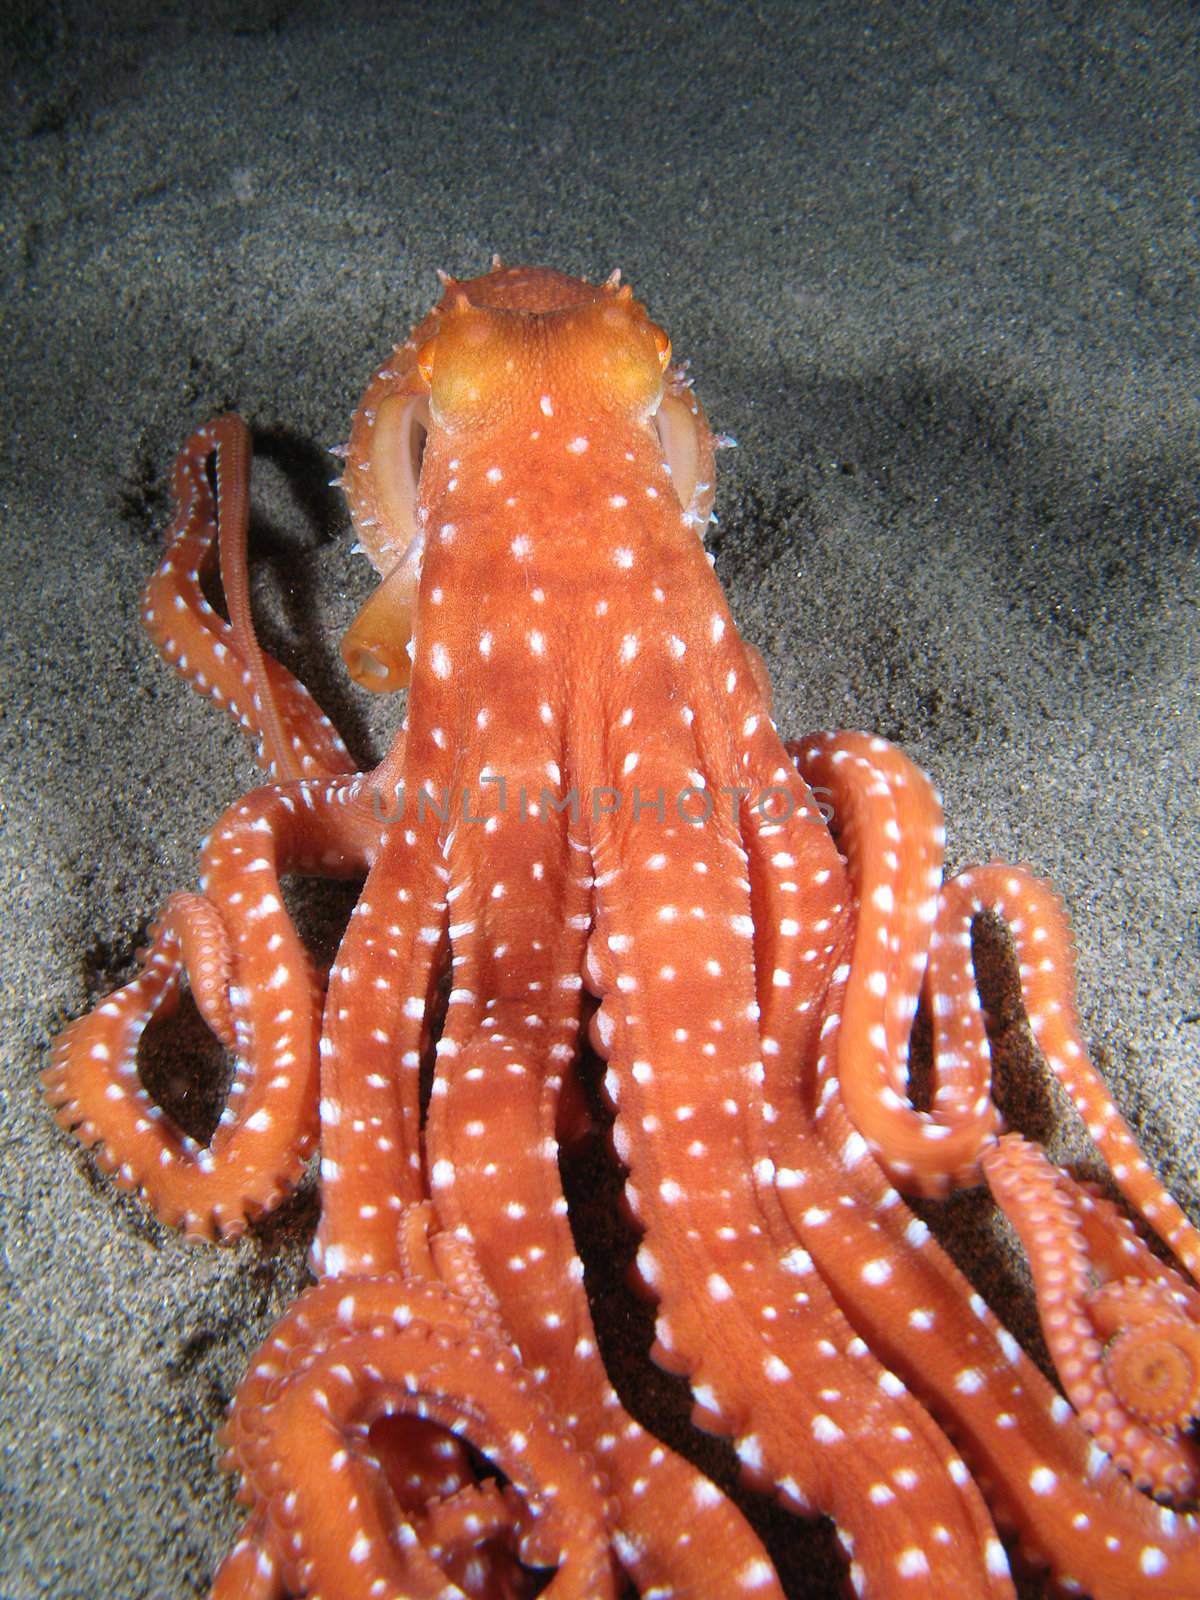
x=588 y=793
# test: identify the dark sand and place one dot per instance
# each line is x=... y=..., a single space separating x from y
x=937 y=273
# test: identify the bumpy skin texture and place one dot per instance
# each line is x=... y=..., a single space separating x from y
x=588 y=789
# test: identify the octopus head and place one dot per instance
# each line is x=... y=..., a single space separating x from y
x=488 y=363
x=501 y=357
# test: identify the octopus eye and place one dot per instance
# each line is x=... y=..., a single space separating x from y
x=467 y=366
x=662 y=344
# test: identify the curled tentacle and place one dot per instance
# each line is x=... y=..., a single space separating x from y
x=473 y=1533
x=255 y=984
x=1152 y=1359
x=1133 y=1302
x=1040 y=1201
x=354 y=1350
x=1154 y=1371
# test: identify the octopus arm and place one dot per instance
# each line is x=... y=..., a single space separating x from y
x=798 y=892
x=880 y=798
x=251 y=1570
x=501 y=1066
x=1041 y=1201
x=352 y=1351
x=377 y=1028
x=1069 y=1506
x=914 y=1308
x=770 y=1356
x=1119 y=1253
x=255 y=983
x=1035 y=918
x=222 y=659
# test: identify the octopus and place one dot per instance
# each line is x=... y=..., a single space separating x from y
x=588 y=830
